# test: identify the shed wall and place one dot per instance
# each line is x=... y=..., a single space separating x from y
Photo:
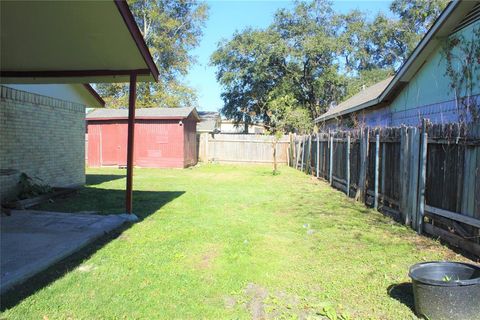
x=190 y=141
x=158 y=143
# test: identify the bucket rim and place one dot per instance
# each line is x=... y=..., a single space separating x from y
x=453 y=283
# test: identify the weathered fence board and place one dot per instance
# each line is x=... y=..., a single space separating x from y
x=427 y=178
x=242 y=148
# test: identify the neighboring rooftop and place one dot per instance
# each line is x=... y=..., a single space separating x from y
x=360 y=98
x=209 y=121
x=143 y=113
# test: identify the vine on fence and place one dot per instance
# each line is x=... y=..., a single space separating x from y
x=463 y=70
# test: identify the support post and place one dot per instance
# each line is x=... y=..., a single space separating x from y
x=422 y=176
x=377 y=169
x=130 y=143
x=331 y=159
x=348 y=165
x=317 y=163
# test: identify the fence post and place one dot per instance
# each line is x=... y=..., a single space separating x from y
x=302 y=144
x=317 y=156
x=331 y=159
x=309 y=156
x=348 y=165
x=377 y=169
x=404 y=174
x=362 y=180
x=414 y=149
x=422 y=176
x=323 y=157
x=297 y=151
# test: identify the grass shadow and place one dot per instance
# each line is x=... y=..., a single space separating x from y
x=101 y=201
x=92 y=179
x=110 y=201
x=402 y=292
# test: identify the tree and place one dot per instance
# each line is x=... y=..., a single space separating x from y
x=316 y=56
x=297 y=52
x=416 y=17
x=285 y=115
x=247 y=71
x=171 y=29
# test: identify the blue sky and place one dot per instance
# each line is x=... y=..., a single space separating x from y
x=225 y=17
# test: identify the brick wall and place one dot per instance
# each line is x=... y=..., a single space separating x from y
x=41 y=136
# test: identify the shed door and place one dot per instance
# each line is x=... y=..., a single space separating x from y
x=114 y=141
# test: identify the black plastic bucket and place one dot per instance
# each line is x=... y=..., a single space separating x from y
x=446 y=290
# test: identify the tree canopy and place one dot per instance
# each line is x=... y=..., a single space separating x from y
x=311 y=57
x=171 y=29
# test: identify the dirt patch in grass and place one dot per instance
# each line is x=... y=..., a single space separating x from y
x=207 y=259
x=256 y=297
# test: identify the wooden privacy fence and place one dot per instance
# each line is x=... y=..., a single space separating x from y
x=241 y=148
x=427 y=178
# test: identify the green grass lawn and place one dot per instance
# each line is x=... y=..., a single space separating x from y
x=234 y=242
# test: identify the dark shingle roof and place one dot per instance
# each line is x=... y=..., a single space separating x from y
x=363 y=96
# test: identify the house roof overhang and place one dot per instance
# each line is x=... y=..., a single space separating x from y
x=445 y=25
x=71 y=42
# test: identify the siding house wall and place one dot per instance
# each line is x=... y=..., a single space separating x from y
x=427 y=95
x=41 y=136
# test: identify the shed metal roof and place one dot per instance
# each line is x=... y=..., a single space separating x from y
x=143 y=113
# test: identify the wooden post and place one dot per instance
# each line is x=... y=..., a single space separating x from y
x=377 y=169
x=308 y=169
x=422 y=176
x=132 y=96
x=414 y=175
x=403 y=173
x=348 y=165
x=297 y=152
x=362 y=180
x=206 y=146
x=322 y=158
x=331 y=158
x=302 y=144
x=317 y=162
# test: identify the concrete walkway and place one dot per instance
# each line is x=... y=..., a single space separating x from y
x=31 y=241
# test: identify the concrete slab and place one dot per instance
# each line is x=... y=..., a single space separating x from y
x=31 y=241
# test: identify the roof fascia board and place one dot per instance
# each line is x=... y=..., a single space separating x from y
x=419 y=49
x=94 y=94
x=132 y=26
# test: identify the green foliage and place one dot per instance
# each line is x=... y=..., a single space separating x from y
x=415 y=18
x=171 y=30
x=285 y=115
x=31 y=187
x=315 y=56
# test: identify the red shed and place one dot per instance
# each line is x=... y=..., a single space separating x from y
x=164 y=137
